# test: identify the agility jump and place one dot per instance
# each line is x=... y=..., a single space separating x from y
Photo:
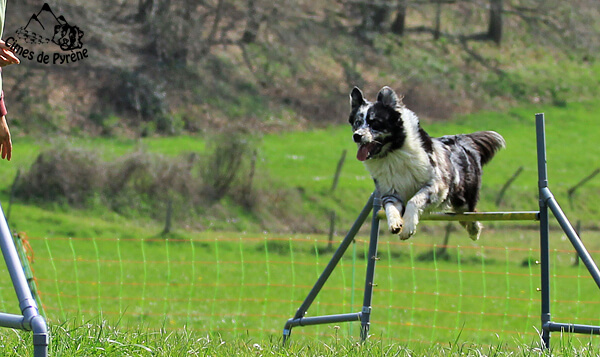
x=546 y=202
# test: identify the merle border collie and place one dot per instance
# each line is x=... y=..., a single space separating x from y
x=413 y=172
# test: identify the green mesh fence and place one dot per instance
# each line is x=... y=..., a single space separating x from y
x=249 y=285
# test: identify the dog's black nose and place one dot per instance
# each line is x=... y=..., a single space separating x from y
x=357 y=138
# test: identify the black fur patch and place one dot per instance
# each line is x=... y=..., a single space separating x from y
x=426 y=141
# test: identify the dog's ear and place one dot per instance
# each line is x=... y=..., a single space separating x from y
x=356 y=98
x=388 y=97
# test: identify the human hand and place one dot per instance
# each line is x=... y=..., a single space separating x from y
x=5 y=142
x=7 y=56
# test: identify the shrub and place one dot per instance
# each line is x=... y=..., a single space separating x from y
x=139 y=96
x=145 y=183
x=228 y=167
x=217 y=186
x=63 y=175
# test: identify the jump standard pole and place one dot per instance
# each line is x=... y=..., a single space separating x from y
x=548 y=202
x=30 y=320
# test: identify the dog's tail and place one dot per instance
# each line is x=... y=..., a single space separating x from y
x=487 y=143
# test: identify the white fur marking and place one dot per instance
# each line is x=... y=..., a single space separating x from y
x=394 y=218
x=411 y=219
x=402 y=171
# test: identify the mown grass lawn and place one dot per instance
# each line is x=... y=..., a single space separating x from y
x=239 y=288
x=306 y=161
x=102 y=339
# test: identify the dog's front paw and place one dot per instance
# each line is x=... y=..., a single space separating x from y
x=407 y=232
x=408 y=229
x=394 y=218
x=395 y=225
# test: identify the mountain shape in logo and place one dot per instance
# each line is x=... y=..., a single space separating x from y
x=45 y=27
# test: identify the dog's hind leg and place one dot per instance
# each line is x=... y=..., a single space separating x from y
x=473 y=228
x=393 y=211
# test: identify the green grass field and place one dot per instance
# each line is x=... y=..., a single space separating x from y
x=102 y=276
x=241 y=289
x=306 y=161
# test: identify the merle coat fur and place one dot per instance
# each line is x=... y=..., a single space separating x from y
x=414 y=172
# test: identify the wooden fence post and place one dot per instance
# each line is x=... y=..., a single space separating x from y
x=12 y=193
x=332 y=215
x=507 y=185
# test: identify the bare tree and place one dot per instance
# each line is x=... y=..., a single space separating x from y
x=399 y=23
x=495 y=21
x=438 y=19
x=375 y=15
x=253 y=20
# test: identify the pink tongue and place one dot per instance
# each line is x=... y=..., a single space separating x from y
x=363 y=152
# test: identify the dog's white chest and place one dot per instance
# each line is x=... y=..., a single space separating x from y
x=401 y=172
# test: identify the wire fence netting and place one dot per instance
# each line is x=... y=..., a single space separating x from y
x=236 y=284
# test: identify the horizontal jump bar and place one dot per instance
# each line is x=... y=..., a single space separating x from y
x=585 y=329
x=318 y=320
x=12 y=321
x=477 y=216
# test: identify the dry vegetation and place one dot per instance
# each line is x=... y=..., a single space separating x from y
x=195 y=190
x=165 y=67
x=169 y=66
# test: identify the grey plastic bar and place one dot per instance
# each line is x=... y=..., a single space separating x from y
x=370 y=274
x=477 y=216
x=336 y=258
x=585 y=256
x=362 y=217
x=544 y=228
x=12 y=321
x=31 y=319
x=326 y=319
x=547 y=201
x=573 y=328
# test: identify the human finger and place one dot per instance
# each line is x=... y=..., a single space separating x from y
x=5 y=47
x=7 y=150
x=6 y=60
x=10 y=55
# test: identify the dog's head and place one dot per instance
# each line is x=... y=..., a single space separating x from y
x=67 y=37
x=377 y=127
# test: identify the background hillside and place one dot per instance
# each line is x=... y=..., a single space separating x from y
x=174 y=66
x=229 y=114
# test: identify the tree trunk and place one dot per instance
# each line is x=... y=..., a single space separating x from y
x=438 y=20
x=146 y=9
x=399 y=23
x=252 y=24
x=495 y=24
x=374 y=17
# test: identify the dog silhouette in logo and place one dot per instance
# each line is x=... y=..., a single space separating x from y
x=67 y=37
